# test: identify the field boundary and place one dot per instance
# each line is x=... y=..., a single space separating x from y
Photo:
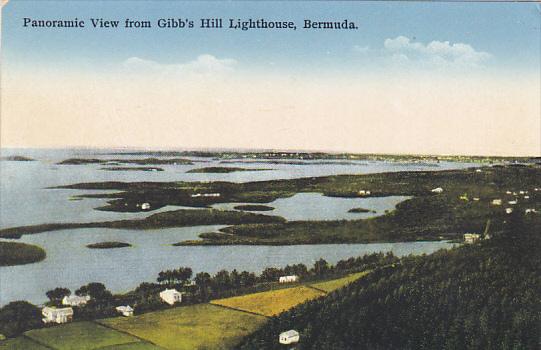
x=238 y=310
x=316 y=288
x=127 y=333
x=38 y=342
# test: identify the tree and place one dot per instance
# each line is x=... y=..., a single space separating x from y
x=95 y=290
x=321 y=267
x=56 y=295
x=18 y=317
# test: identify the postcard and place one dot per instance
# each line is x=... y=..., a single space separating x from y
x=270 y=175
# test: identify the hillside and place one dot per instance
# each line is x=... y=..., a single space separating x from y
x=480 y=296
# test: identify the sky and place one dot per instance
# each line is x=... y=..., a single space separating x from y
x=415 y=77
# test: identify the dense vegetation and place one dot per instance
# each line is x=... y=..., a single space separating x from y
x=108 y=245
x=481 y=296
x=138 y=168
x=12 y=253
x=360 y=210
x=17 y=159
x=221 y=170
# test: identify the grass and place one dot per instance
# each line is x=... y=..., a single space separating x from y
x=80 y=336
x=329 y=286
x=202 y=326
x=21 y=343
x=270 y=303
x=12 y=253
x=132 y=346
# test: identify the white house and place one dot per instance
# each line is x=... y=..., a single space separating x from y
x=508 y=192
x=289 y=337
x=437 y=190
x=530 y=210
x=125 y=310
x=145 y=206
x=364 y=193
x=496 y=202
x=75 y=300
x=476 y=199
x=288 y=279
x=54 y=315
x=171 y=296
x=470 y=238
x=513 y=202
x=508 y=210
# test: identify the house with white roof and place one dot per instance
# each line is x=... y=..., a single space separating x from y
x=437 y=190
x=54 y=315
x=289 y=337
x=75 y=300
x=470 y=238
x=288 y=279
x=171 y=296
x=125 y=310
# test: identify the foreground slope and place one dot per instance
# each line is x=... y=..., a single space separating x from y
x=480 y=296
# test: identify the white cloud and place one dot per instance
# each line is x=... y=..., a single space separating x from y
x=361 y=49
x=435 y=53
x=206 y=64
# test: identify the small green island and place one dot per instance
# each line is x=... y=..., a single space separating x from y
x=17 y=159
x=253 y=207
x=142 y=161
x=360 y=210
x=108 y=245
x=222 y=170
x=13 y=253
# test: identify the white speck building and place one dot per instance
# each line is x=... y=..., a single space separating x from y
x=171 y=296
x=470 y=238
x=75 y=300
x=437 y=190
x=54 y=315
x=125 y=310
x=289 y=337
x=145 y=206
x=288 y=279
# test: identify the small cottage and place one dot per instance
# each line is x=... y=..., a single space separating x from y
x=289 y=337
x=364 y=193
x=145 y=206
x=470 y=238
x=171 y=296
x=437 y=190
x=54 y=315
x=75 y=300
x=508 y=210
x=125 y=310
x=496 y=202
x=288 y=279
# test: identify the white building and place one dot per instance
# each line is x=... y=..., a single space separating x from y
x=470 y=238
x=171 y=296
x=145 y=206
x=288 y=279
x=289 y=337
x=508 y=210
x=437 y=190
x=125 y=310
x=496 y=202
x=54 y=315
x=364 y=193
x=476 y=199
x=513 y=202
x=75 y=300
x=530 y=210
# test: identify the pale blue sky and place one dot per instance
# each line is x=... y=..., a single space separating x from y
x=508 y=32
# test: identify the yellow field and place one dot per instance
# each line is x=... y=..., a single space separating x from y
x=329 y=286
x=202 y=326
x=272 y=302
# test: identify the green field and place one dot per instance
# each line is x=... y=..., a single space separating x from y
x=20 y=343
x=270 y=303
x=200 y=326
x=80 y=336
x=331 y=285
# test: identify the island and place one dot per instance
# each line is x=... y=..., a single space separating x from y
x=253 y=207
x=222 y=170
x=141 y=168
x=142 y=161
x=108 y=245
x=17 y=159
x=360 y=210
x=14 y=253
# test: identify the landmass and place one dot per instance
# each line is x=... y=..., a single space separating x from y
x=143 y=161
x=132 y=169
x=220 y=170
x=108 y=245
x=360 y=210
x=14 y=253
x=254 y=207
x=17 y=159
